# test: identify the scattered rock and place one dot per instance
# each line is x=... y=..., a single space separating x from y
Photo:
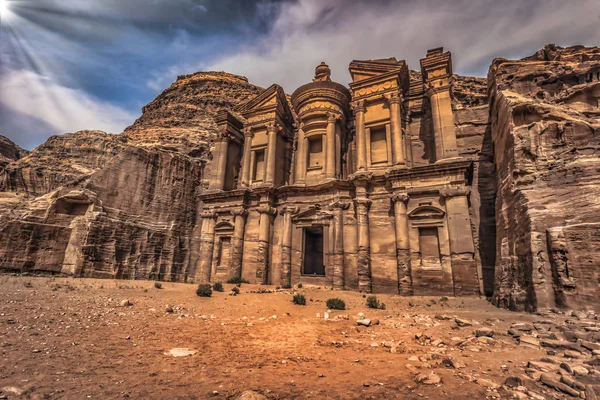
x=550 y=381
x=125 y=303
x=251 y=395
x=484 y=332
x=364 y=322
x=513 y=382
x=428 y=379
x=462 y=322
x=181 y=352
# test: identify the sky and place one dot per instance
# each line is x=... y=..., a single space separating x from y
x=69 y=65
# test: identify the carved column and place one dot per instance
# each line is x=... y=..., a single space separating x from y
x=361 y=139
x=362 y=205
x=207 y=242
x=466 y=273
x=436 y=69
x=237 y=242
x=443 y=121
x=395 y=102
x=264 y=243
x=402 y=244
x=271 y=153
x=330 y=161
x=301 y=157
x=222 y=146
x=286 y=246
x=364 y=247
x=246 y=165
x=338 y=244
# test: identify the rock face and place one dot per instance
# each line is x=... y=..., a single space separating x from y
x=501 y=173
x=545 y=118
x=116 y=206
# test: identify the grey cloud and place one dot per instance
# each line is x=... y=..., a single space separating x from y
x=337 y=31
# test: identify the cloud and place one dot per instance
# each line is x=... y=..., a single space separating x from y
x=336 y=31
x=32 y=101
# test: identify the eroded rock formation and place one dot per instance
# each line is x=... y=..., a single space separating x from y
x=407 y=182
x=117 y=206
x=545 y=116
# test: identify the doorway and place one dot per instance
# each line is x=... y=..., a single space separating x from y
x=313 y=251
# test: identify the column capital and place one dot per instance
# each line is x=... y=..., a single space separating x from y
x=273 y=127
x=239 y=211
x=361 y=178
x=208 y=214
x=432 y=89
x=339 y=205
x=394 y=98
x=447 y=192
x=289 y=210
x=403 y=197
x=358 y=106
x=362 y=202
x=332 y=117
x=223 y=137
x=267 y=210
x=248 y=133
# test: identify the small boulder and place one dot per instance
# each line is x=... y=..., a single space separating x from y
x=125 y=303
x=428 y=379
x=251 y=395
x=364 y=322
x=462 y=322
x=487 y=332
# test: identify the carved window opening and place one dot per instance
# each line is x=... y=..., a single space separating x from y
x=429 y=245
x=233 y=165
x=315 y=152
x=63 y=206
x=258 y=170
x=313 y=252
x=379 y=148
x=224 y=254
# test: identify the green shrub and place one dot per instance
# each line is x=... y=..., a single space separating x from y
x=299 y=286
x=299 y=299
x=237 y=280
x=336 y=304
x=218 y=287
x=158 y=285
x=204 y=290
x=286 y=287
x=373 y=302
x=235 y=290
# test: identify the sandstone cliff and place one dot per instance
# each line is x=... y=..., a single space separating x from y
x=117 y=206
x=545 y=116
x=9 y=151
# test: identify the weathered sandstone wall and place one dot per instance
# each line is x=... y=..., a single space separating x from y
x=546 y=135
x=117 y=206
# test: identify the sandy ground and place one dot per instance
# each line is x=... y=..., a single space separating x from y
x=71 y=339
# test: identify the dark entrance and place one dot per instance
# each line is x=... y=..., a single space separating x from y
x=313 y=251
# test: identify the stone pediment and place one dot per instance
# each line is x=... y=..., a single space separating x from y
x=363 y=69
x=427 y=212
x=271 y=99
x=373 y=75
x=313 y=215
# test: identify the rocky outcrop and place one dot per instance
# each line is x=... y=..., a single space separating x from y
x=181 y=117
x=9 y=151
x=64 y=160
x=545 y=119
x=117 y=206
